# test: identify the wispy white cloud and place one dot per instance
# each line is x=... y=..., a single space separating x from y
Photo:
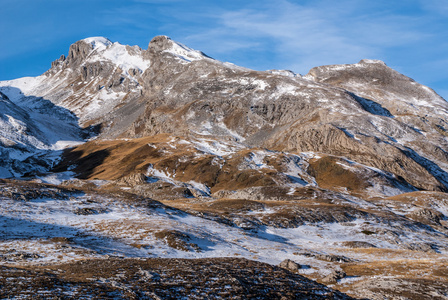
x=304 y=36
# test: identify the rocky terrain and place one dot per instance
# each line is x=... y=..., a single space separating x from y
x=140 y=163
x=161 y=278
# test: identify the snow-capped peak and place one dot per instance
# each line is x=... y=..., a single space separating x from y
x=98 y=42
x=372 y=61
x=125 y=57
x=184 y=52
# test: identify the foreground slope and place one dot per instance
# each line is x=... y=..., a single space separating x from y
x=69 y=241
x=218 y=278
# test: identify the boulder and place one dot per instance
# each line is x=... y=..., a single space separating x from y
x=334 y=276
x=289 y=265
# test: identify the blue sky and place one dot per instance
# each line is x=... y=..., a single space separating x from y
x=410 y=36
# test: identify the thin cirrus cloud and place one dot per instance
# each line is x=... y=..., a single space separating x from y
x=302 y=37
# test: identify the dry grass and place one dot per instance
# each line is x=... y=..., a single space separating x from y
x=112 y=160
x=177 y=240
x=330 y=175
x=408 y=268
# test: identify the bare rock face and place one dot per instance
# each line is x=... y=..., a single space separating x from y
x=379 y=85
x=334 y=276
x=426 y=216
x=159 y=43
x=78 y=52
x=133 y=179
x=95 y=78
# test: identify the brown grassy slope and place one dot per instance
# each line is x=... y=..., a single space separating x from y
x=111 y=160
x=330 y=174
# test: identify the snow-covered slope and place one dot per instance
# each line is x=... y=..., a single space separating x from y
x=124 y=57
x=31 y=127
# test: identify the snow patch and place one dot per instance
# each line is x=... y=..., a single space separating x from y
x=5 y=173
x=120 y=56
x=184 y=53
x=160 y=174
x=214 y=147
x=98 y=42
x=200 y=187
x=124 y=57
x=57 y=178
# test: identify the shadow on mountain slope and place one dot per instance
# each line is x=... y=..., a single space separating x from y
x=33 y=130
x=430 y=166
x=372 y=106
x=82 y=163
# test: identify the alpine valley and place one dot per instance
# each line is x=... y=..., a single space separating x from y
x=166 y=174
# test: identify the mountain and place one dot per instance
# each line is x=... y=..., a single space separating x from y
x=345 y=168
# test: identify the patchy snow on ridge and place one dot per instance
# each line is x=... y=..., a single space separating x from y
x=57 y=178
x=32 y=129
x=215 y=147
x=124 y=57
x=16 y=89
x=98 y=42
x=185 y=53
x=255 y=161
x=160 y=174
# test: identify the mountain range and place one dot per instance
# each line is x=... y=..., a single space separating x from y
x=169 y=153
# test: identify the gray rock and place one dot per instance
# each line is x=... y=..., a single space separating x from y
x=334 y=276
x=426 y=216
x=289 y=265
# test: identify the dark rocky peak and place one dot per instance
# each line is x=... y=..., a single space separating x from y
x=78 y=52
x=98 y=63
x=160 y=43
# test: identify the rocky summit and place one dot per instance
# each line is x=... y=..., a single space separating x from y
x=164 y=173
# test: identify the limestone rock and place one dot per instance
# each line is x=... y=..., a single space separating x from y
x=334 y=276
x=289 y=265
